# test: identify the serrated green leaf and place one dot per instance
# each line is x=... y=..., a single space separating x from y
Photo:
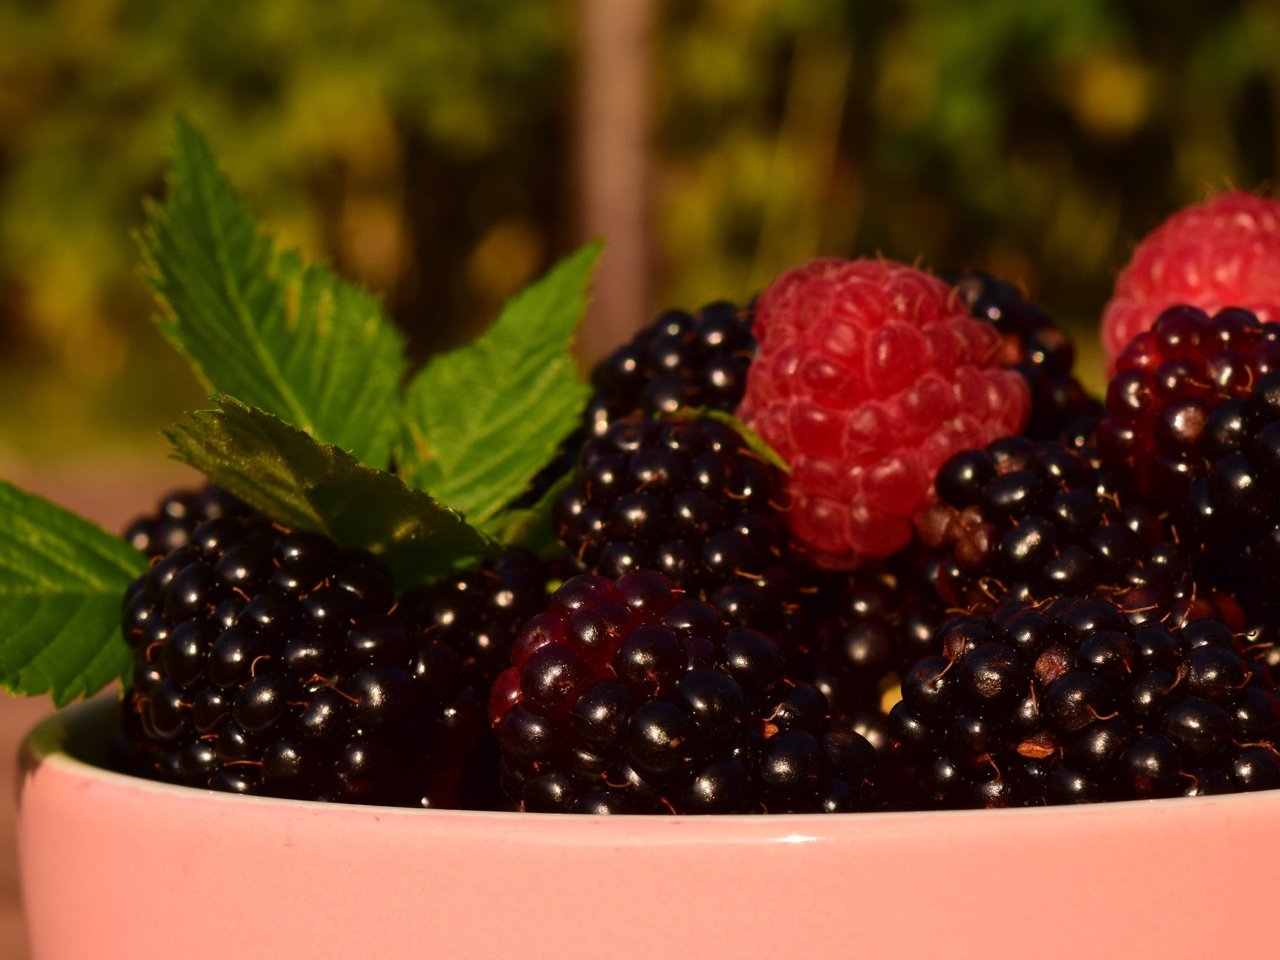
x=480 y=421
x=301 y=482
x=62 y=582
x=293 y=340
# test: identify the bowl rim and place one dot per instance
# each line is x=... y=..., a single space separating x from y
x=56 y=741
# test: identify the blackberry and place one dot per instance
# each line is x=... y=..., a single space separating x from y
x=478 y=613
x=1068 y=702
x=1180 y=397
x=866 y=629
x=680 y=361
x=632 y=697
x=687 y=498
x=273 y=662
x=1192 y=426
x=1033 y=345
x=1029 y=520
x=178 y=514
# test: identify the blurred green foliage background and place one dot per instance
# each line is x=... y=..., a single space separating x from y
x=424 y=147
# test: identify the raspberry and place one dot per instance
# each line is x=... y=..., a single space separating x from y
x=1033 y=345
x=680 y=361
x=1223 y=252
x=688 y=499
x=1068 y=702
x=270 y=662
x=1030 y=521
x=177 y=515
x=631 y=697
x=869 y=374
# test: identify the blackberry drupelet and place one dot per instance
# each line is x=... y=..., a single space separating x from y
x=177 y=515
x=1034 y=520
x=685 y=497
x=1068 y=702
x=680 y=361
x=632 y=697
x=1033 y=345
x=273 y=662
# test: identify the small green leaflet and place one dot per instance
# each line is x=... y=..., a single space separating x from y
x=62 y=583
x=530 y=527
x=755 y=443
x=480 y=421
x=304 y=483
x=293 y=340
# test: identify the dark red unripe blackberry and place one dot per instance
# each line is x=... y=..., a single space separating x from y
x=1032 y=344
x=177 y=516
x=275 y=662
x=681 y=361
x=1193 y=424
x=630 y=696
x=688 y=498
x=1030 y=520
x=1180 y=398
x=1068 y=701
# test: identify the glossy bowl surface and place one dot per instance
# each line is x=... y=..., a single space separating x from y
x=117 y=868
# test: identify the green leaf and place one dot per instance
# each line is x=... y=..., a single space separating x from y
x=62 y=583
x=755 y=443
x=293 y=340
x=301 y=482
x=530 y=527
x=480 y=421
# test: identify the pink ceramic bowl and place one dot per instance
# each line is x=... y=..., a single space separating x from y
x=116 y=868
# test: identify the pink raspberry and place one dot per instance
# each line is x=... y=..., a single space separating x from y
x=1224 y=252
x=869 y=374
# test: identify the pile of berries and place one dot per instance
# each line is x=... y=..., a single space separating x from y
x=867 y=544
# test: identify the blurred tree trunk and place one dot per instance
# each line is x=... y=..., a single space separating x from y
x=613 y=151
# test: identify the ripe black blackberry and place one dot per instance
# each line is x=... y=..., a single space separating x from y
x=680 y=361
x=862 y=632
x=478 y=613
x=685 y=497
x=631 y=697
x=480 y=610
x=272 y=662
x=1028 y=520
x=1068 y=702
x=178 y=514
x=1032 y=344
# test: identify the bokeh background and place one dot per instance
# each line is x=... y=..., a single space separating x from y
x=443 y=152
